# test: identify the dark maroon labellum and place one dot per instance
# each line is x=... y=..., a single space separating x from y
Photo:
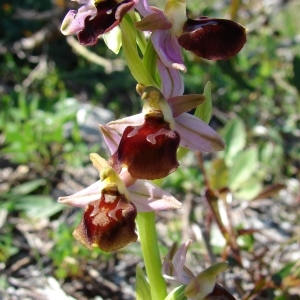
x=149 y=150
x=108 y=223
x=213 y=39
x=109 y=15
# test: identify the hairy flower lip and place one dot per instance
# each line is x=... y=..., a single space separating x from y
x=109 y=15
x=94 y=19
x=212 y=38
x=108 y=225
x=148 y=151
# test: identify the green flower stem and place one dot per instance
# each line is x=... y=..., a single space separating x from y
x=152 y=260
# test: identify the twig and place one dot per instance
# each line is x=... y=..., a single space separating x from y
x=185 y=219
x=36 y=39
x=38 y=72
x=109 y=65
x=34 y=15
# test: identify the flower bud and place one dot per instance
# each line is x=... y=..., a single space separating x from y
x=204 y=283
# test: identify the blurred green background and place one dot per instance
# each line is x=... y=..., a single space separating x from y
x=52 y=92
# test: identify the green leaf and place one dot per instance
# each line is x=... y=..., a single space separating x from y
x=38 y=206
x=142 y=286
x=246 y=242
x=134 y=62
x=217 y=174
x=287 y=270
x=244 y=165
x=177 y=293
x=249 y=189
x=204 y=110
x=140 y=36
x=235 y=139
x=27 y=187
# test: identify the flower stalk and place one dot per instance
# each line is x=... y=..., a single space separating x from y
x=151 y=255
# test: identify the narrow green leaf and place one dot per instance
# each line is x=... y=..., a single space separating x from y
x=142 y=286
x=204 y=110
x=140 y=36
x=249 y=189
x=134 y=61
x=217 y=174
x=23 y=105
x=244 y=165
x=235 y=139
x=287 y=269
x=246 y=242
x=27 y=187
x=38 y=206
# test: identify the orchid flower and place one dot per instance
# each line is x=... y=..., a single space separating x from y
x=150 y=139
x=111 y=205
x=196 y=287
x=209 y=38
x=94 y=18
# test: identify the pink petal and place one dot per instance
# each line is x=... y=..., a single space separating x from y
x=181 y=104
x=74 y=22
x=184 y=275
x=120 y=125
x=153 y=22
x=111 y=138
x=168 y=49
x=173 y=268
x=143 y=8
x=171 y=81
x=84 y=197
x=197 y=135
x=148 y=197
